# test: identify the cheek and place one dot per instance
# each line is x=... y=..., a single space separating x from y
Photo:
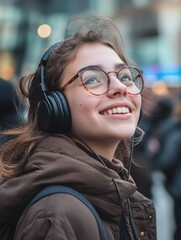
x=137 y=103
x=80 y=107
x=81 y=118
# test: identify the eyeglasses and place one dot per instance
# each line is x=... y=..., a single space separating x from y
x=97 y=81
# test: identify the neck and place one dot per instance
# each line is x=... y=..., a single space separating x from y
x=104 y=149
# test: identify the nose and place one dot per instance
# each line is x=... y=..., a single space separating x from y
x=116 y=87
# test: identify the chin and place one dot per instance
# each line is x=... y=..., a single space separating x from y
x=126 y=133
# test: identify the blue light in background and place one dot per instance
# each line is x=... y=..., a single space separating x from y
x=171 y=75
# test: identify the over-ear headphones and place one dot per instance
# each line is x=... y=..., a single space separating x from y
x=53 y=112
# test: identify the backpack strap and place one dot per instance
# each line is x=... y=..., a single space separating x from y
x=53 y=189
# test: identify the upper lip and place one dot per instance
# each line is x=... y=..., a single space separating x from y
x=116 y=105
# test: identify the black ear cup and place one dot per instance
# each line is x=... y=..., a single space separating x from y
x=53 y=113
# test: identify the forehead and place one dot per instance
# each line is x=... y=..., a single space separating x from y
x=94 y=54
x=91 y=54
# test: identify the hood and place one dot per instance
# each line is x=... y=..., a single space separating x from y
x=57 y=160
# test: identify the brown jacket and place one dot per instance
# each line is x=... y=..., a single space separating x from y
x=57 y=160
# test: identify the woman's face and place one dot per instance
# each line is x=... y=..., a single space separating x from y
x=92 y=116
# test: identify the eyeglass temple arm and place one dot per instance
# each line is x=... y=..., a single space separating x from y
x=68 y=83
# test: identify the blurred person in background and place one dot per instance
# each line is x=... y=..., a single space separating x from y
x=156 y=110
x=160 y=112
x=167 y=157
x=11 y=108
x=85 y=102
x=8 y=105
x=141 y=170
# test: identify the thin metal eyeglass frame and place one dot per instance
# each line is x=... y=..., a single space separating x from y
x=95 y=67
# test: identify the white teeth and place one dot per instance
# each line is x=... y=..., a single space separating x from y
x=109 y=112
x=116 y=110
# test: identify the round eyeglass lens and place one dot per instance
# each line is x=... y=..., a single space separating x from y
x=95 y=81
x=132 y=79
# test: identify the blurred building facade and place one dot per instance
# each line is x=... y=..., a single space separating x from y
x=151 y=32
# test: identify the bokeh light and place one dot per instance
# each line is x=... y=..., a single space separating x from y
x=44 y=30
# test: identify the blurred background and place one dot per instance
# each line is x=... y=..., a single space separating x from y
x=151 y=31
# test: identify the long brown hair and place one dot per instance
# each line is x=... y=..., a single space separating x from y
x=14 y=154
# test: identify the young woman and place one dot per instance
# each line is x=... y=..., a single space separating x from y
x=84 y=109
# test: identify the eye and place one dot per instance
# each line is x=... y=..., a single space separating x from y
x=91 y=80
x=125 y=78
x=137 y=77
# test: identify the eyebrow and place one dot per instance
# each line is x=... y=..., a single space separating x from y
x=117 y=66
x=120 y=65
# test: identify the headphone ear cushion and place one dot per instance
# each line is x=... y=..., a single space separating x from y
x=53 y=113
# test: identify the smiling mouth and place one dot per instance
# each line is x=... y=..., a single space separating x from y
x=116 y=110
